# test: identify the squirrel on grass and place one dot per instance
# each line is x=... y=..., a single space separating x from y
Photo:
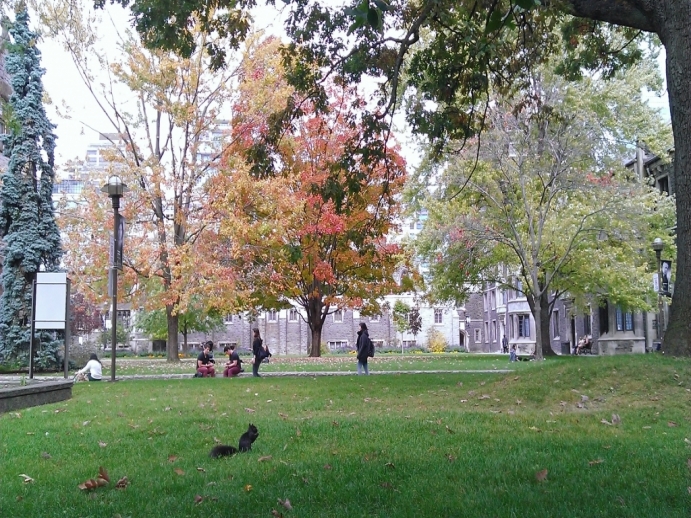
x=246 y=440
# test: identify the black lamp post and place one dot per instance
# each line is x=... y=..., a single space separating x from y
x=658 y=245
x=115 y=189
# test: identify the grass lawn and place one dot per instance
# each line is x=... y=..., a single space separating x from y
x=466 y=445
x=340 y=363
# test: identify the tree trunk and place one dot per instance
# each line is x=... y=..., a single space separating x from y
x=537 y=316
x=173 y=326
x=676 y=37
x=545 y=314
x=315 y=321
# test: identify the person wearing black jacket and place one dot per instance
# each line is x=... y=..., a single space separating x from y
x=362 y=348
x=258 y=352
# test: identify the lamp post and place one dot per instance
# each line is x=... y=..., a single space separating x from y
x=115 y=189
x=658 y=245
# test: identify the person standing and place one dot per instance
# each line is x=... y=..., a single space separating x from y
x=363 y=345
x=205 y=361
x=233 y=367
x=93 y=367
x=504 y=344
x=257 y=351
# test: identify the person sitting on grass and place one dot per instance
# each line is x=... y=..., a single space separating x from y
x=93 y=367
x=233 y=367
x=512 y=354
x=205 y=362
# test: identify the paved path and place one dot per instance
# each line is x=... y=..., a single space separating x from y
x=13 y=379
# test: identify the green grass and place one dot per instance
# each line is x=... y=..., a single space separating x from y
x=345 y=363
x=414 y=445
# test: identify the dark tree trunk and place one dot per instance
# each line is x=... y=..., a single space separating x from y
x=545 y=317
x=173 y=326
x=315 y=320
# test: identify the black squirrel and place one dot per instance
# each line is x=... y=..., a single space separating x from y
x=246 y=440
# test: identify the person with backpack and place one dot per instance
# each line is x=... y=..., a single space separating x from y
x=365 y=349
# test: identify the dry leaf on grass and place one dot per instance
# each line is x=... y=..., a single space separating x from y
x=202 y=470
x=275 y=513
x=264 y=458
x=172 y=458
x=298 y=432
x=102 y=444
x=541 y=475
x=248 y=488
x=597 y=461
x=198 y=499
x=250 y=410
x=391 y=465
x=282 y=415
x=122 y=483
x=45 y=455
x=27 y=478
x=179 y=471
x=285 y=503
x=450 y=457
x=616 y=419
x=449 y=430
x=85 y=423
x=327 y=466
x=605 y=421
x=671 y=424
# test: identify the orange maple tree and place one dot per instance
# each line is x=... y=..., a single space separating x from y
x=314 y=234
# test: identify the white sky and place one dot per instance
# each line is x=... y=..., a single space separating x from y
x=70 y=96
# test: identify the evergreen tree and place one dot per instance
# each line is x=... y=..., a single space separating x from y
x=30 y=235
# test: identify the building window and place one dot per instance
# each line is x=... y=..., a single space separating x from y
x=337 y=345
x=409 y=343
x=375 y=318
x=293 y=315
x=624 y=320
x=378 y=343
x=555 y=325
x=494 y=330
x=476 y=335
x=493 y=299
x=519 y=288
x=587 y=325
x=523 y=326
x=486 y=331
x=438 y=316
x=338 y=316
x=227 y=319
x=124 y=316
x=504 y=297
x=272 y=315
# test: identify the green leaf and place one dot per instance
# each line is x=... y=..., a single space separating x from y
x=495 y=22
x=527 y=4
x=374 y=18
x=383 y=6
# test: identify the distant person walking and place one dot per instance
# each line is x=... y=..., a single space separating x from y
x=257 y=351
x=363 y=345
x=93 y=367
x=504 y=344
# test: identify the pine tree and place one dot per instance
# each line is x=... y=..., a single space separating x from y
x=30 y=235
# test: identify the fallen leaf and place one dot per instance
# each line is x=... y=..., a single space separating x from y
x=45 y=455
x=387 y=485
x=584 y=398
x=102 y=444
x=671 y=424
x=264 y=458
x=541 y=475
x=248 y=488
x=250 y=410
x=27 y=478
x=179 y=471
x=616 y=419
x=464 y=400
x=275 y=513
x=172 y=458
x=30 y=433
x=85 y=423
x=484 y=396
x=298 y=432
x=391 y=465
x=449 y=430
x=102 y=473
x=327 y=466
x=122 y=483
x=198 y=499
x=282 y=415
x=285 y=503
x=597 y=461
x=202 y=470
x=605 y=421
x=647 y=427
x=450 y=457
x=335 y=423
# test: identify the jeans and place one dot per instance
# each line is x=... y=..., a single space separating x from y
x=362 y=365
x=255 y=366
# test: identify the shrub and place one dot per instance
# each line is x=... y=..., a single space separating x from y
x=436 y=342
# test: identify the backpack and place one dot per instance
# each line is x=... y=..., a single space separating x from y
x=370 y=348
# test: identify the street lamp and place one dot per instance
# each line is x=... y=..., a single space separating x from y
x=115 y=189
x=658 y=245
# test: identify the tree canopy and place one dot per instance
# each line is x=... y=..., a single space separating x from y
x=454 y=53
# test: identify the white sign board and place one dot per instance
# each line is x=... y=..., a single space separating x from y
x=51 y=300
x=656 y=283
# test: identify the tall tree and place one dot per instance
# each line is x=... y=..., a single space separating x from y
x=30 y=236
x=165 y=146
x=455 y=51
x=543 y=206
x=315 y=234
